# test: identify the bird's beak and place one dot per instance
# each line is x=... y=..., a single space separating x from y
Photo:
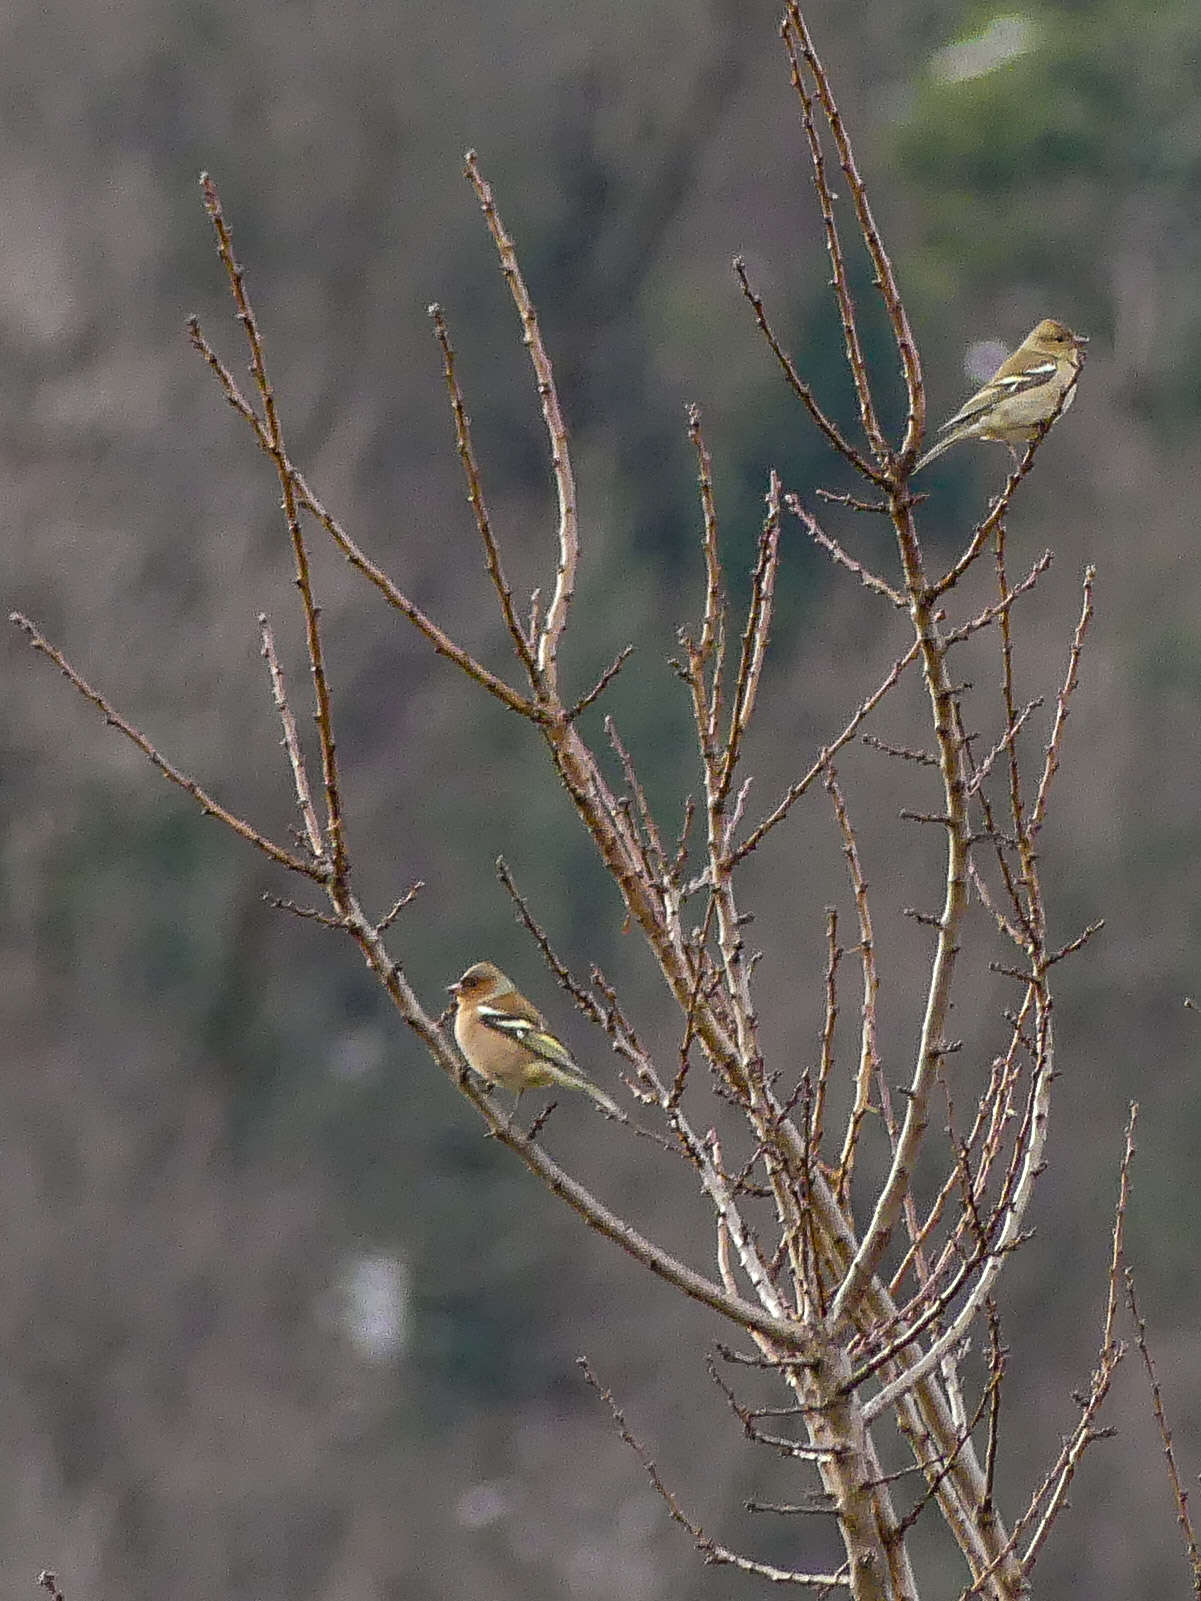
x=1081 y=339
x=453 y=989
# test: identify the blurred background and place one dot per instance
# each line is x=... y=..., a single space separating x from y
x=277 y=1321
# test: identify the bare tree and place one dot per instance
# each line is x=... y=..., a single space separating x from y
x=859 y=1295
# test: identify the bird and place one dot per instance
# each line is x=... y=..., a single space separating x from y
x=507 y=1041
x=1028 y=389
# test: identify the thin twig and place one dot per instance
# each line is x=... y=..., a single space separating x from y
x=335 y=830
x=715 y=1554
x=922 y=757
x=877 y=508
x=304 y=796
x=1005 y=742
x=868 y=1067
x=394 y=911
x=754 y=646
x=1077 y=944
x=794 y=793
x=1002 y=607
x=816 y=1119
x=441 y=641
x=475 y=495
x=796 y=43
x=602 y=683
x=209 y=806
x=800 y=388
x=553 y=626
x=1071 y=679
x=834 y=550
x=885 y=279
x=1054 y=1487
x=1179 y=1493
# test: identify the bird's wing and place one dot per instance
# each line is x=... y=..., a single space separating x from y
x=530 y=1031
x=1001 y=388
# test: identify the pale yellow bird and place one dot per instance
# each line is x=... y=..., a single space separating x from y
x=1024 y=392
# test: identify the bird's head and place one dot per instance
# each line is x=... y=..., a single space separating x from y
x=483 y=981
x=1056 y=337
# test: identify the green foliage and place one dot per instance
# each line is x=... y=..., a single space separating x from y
x=1076 y=152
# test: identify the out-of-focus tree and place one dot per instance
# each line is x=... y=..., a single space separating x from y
x=1058 y=144
x=143 y=975
x=857 y=1255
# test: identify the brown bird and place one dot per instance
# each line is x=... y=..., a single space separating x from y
x=506 y=1040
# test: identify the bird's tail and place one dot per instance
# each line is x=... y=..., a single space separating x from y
x=936 y=450
x=577 y=1081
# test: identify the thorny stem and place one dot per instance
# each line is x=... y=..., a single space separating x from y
x=475 y=494
x=555 y=621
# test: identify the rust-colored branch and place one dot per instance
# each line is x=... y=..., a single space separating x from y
x=395 y=597
x=555 y=622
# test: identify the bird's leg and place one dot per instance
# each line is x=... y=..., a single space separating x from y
x=512 y=1122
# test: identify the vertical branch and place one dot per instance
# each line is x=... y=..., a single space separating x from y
x=868 y=1050
x=1051 y=1495
x=334 y=827
x=833 y=957
x=885 y=278
x=1179 y=1493
x=754 y=641
x=475 y=495
x=707 y=657
x=938 y=998
x=714 y=585
x=300 y=777
x=1017 y=812
x=551 y=635
x=793 y=33
x=702 y=670
x=1055 y=743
